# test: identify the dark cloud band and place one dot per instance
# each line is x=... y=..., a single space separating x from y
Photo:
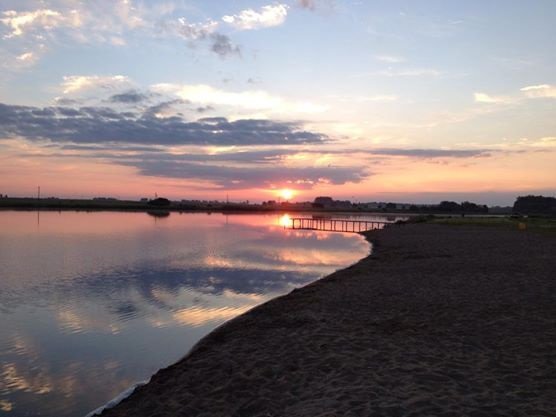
x=252 y=176
x=101 y=124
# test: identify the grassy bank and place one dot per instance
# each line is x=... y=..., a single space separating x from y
x=538 y=224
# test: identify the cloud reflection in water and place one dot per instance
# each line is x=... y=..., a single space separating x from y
x=106 y=299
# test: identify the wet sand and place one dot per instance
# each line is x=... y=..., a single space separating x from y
x=439 y=321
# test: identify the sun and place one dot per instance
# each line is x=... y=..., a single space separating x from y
x=286 y=194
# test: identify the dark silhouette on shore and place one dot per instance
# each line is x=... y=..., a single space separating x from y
x=534 y=205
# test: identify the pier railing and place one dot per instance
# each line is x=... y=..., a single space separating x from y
x=335 y=225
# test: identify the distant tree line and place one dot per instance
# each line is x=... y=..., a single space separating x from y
x=535 y=204
x=452 y=207
x=159 y=202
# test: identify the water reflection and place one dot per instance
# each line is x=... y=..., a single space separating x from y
x=92 y=302
x=285 y=220
x=159 y=214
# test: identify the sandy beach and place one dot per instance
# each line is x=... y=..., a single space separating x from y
x=438 y=321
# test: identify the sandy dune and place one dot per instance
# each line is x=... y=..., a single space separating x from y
x=439 y=321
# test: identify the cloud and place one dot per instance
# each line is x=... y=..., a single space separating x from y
x=128 y=97
x=540 y=91
x=203 y=109
x=89 y=125
x=432 y=153
x=408 y=72
x=250 y=176
x=195 y=31
x=267 y=16
x=78 y=83
x=164 y=109
x=64 y=101
x=85 y=22
x=258 y=156
x=529 y=92
x=415 y=153
x=26 y=57
x=18 y=60
x=547 y=142
x=250 y=99
x=41 y=19
x=222 y=46
x=109 y=21
x=485 y=98
x=219 y=43
x=390 y=59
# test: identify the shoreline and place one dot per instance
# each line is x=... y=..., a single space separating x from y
x=229 y=211
x=438 y=320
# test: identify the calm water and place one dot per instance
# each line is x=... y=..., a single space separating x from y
x=91 y=303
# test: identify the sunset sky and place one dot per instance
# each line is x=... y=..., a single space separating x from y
x=407 y=101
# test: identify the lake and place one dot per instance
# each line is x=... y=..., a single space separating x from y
x=91 y=303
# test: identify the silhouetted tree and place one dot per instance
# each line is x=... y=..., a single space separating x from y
x=468 y=207
x=449 y=206
x=159 y=202
x=535 y=204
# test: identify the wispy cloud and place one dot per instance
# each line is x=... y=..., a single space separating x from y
x=529 y=92
x=407 y=72
x=101 y=21
x=390 y=59
x=108 y=21
x=488 y=99
x=195 y=31
x=432 y=153
x=267 y=16
x=249 y=99
x=19 y=23
x=206 y=31
x=20 y=60
x=540 y=91
x=80 y=83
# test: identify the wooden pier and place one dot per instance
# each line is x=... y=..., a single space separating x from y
x=335 y=225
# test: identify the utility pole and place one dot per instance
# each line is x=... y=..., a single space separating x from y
x=39 y=192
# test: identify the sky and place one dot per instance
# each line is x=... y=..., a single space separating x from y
x=405 y=101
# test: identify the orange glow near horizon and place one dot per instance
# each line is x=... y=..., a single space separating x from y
x=78 y=176
x=286 y=193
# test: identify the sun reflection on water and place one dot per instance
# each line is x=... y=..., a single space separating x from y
x=285 y=220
